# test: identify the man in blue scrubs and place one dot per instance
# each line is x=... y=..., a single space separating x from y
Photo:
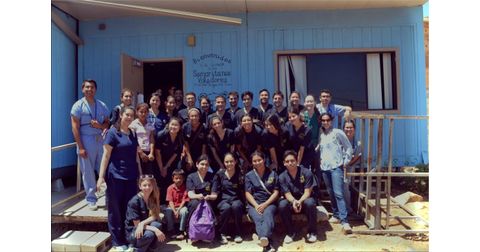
x=89 y=117
x=297 y=185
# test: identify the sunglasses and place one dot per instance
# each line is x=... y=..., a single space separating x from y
x=146 y=176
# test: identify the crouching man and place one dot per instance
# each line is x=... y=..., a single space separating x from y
x=296 y=184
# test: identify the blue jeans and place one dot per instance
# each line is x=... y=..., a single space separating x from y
x=183 y=215
x=334 y=182
x=148 y=241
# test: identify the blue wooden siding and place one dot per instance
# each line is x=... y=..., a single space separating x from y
x=251 y=47
x=63 y=92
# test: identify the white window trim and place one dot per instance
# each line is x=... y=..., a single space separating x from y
x=278 y=53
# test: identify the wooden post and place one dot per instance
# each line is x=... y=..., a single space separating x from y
x=361 y=183
x=369 y=168
x=378 y=212
x=390 y=163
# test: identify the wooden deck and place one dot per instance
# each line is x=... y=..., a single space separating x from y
x=76 y=210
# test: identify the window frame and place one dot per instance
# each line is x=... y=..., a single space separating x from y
x=395 y=61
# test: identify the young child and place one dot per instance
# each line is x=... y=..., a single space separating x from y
x=177 y=198
x=142 y=223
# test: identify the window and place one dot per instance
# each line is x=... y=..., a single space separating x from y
x=364 y=80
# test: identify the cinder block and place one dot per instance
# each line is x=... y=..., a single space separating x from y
x=97 y=243
x=71 y=241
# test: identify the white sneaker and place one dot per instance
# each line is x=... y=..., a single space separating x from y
x=223 y=239
x=92 y=206
x=334 y=219
x=347 y=229
x=238 y=239
x=312 y=237
x=288 y=239
x=263 y=241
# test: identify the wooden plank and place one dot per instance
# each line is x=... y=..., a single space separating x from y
x=361 y=183
x=76 y=195
x=389 y=179
x=97 y=243
x=79 y=175
x=71 y=241
x=369 y=168
x=63 y=26
x=100 y=212
x=378 y=212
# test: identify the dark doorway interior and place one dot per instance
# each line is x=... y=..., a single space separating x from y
x=161 y=75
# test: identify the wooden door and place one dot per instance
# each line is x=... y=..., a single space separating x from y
x=132 y=75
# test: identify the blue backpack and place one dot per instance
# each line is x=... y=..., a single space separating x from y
x=202 y=223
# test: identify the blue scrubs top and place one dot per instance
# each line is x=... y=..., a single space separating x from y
x=296 y=185
x=262 y=113
x=195 y=139
x=283 y=115
x=227 y=118
x=136 y=210
x=253 y=113
x=299 y=138
x=253 y=186
x=86 y=112
x=222 y=146
x=248 y=141
x=123 y=159
x=228 y=189
x=167 y=148
x=195 y=184
x=278 y=142
x=160 y=121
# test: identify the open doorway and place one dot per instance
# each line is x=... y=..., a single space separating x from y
x=162 y=75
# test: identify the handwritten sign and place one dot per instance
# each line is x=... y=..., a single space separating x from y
x=212 y=70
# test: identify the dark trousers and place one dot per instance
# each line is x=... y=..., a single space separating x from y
x=309 y=208
x=119 y=192
x=147 y=167
x=148 y=241
x=228 y=210
x=264 y=223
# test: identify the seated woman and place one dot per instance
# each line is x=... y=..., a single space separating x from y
x=261 y=192
x=200 y=185
x=230 y=188
x=142 y=219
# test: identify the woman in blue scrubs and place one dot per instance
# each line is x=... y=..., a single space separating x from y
x=120 y=166
x=220 y=141
x=248 y=138
x=275 y=141
x=299 y=137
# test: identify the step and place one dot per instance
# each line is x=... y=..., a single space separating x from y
x=83 y=241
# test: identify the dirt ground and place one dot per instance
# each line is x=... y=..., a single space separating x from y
x=330 y=238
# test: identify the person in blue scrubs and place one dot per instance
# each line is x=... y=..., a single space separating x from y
x=206 y=107
x=194 y=134
x=220 y=141
x=261 y=193
x=278 y=108
x=168 y=148
x=156 y=116
x=264 y=106
x=190 y=98
x=275 y=141
x=227 y=118
x=248 y=138
x=120 y=167
x=233 y=101
x=247 y=98
x=297 y=185
x=300 y=137
x=89 y=117
x=230 y=186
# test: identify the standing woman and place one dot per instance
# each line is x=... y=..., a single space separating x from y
x=248 y=138
x=299 y=137
x=295 y=98
x=168 y=148
x=170 y=107
x=220 y=141
x=275 y=141
x=156 y=116
x=261 y=192
x=120 y=165
x=230 y=189
x=194 y=134
x=125 y=101
x=206 y=106
x=146 y=138
x=335 y=155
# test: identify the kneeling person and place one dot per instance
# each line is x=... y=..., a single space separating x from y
x=297 y=185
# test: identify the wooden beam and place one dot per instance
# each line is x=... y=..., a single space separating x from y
x=63 y=26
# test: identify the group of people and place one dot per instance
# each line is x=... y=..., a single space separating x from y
x=270 y=159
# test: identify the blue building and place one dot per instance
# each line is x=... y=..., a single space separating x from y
x=370 y=54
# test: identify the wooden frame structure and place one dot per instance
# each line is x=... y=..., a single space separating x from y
x=378 y=182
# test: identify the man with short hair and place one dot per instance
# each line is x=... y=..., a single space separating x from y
x=247 y=98
x=264 y=106
x=227 y=119
x=296 y=184
x=89 y=117
x=178 y=95
x=333 y=109
x=278 y=108
x=233 y=101
x=190 y=98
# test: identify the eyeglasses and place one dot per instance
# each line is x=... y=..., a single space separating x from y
x=147 y=176
x=328 y=120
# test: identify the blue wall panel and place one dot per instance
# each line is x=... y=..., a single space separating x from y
x=251 y=48
x=63 y=94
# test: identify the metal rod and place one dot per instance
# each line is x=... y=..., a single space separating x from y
x=389 y=174
x=79 y=175
x=65 y=146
